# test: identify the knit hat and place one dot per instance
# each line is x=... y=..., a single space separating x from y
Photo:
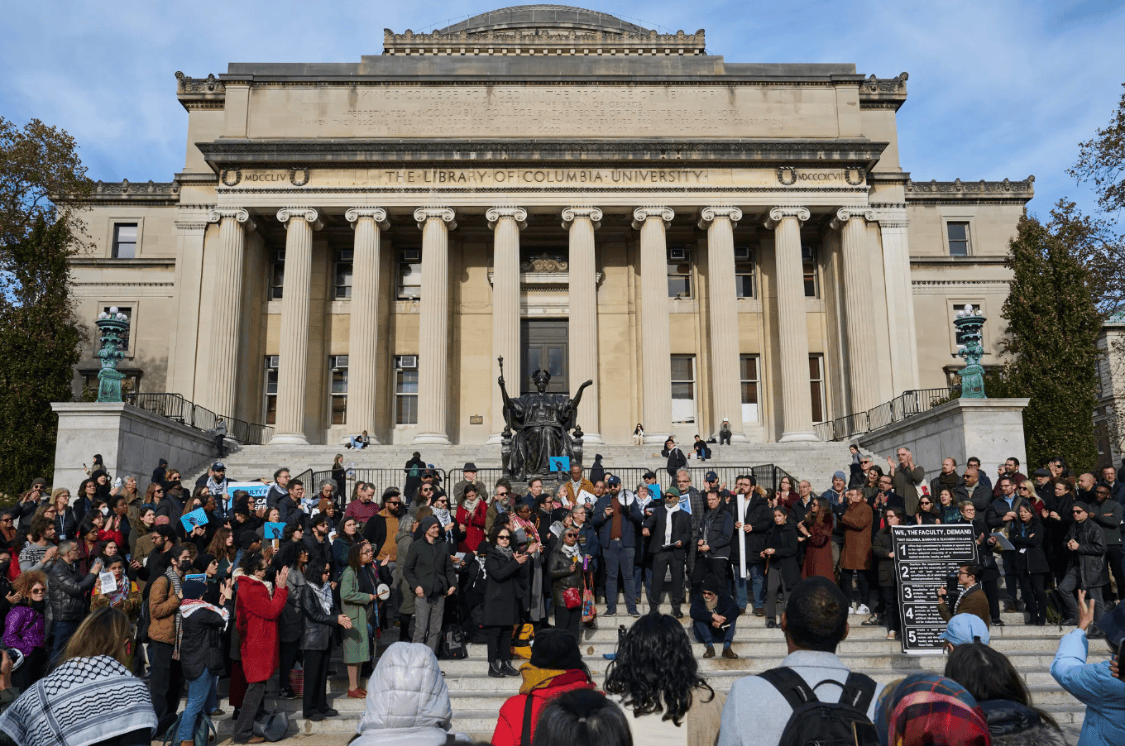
x=203 y=561
x=193 y=589
x=840 y=475
x=247 y=538
x=556 y=650
x=925 y=708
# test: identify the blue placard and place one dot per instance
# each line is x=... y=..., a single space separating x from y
x=194 y=519
x=559 y=463
x=654 y=491
x=274 y=531
x=685 y=502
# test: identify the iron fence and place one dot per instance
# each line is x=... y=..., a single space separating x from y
x=178 y=409
x=381 y=479
x=908 y=404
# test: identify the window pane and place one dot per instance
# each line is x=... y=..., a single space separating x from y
x=749 y=392
x=958 y=235
x=744 y=286
x=555 y=361
x=407 y=382
x=125 y=240
x=958 y=248
x=339 y=381
x=817 y=404
x=406 y=410
x=749 y=365
x=958 y=231
x=679 y=286
x=814 y=368
x=339 y=410
x=271 y=410
x=682 y=390
x=271 y=381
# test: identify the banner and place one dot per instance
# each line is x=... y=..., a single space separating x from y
x=256 y=490
x=925 y=557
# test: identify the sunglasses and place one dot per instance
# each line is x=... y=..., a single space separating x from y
x=504 y=536
x=394 y=502
x=571 y=534
x=1077 y=512
x=501 y=494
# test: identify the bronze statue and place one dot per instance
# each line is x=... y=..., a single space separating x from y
x=538 y=426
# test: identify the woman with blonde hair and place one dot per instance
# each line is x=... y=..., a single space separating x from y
x=66 y=521
x=57 y=708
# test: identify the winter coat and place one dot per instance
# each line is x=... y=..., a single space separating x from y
x=906 y=484
x=67 y=590
x=783 y=540
x=971 y=601
x=428 y=566
x=292 y=623
x=1013 y=724
x=676 y=459
x=726 y=607
x=856 y=554
x=1093 y=685
x=1028 y=541
x=163 y=604
x=631 y=519
x=407 y=701
x=319 y=624
x=986 y=558
x=257 y=612
x=355 y=603
x=883 y=549
x=541 y=686
x=503 y=591
x=657 y=525
x=201 y=648
x=561 y=575
x=981 y=497
x=994 y=516
x=25 y=629
x=818 y=551
x=760 y=517
x=474 y=526
x=1090 y=557
x=1108 y=516
x=716 y=530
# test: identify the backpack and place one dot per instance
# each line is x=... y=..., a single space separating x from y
x=843 y=723
x=453 y=643
x=521 y=643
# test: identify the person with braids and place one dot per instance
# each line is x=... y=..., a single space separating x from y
x=555 y=668
x=656 y=680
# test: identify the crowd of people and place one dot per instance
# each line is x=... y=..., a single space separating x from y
x=197 y=583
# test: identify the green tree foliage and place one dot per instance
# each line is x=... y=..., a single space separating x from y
x=1053 y=324
x=39 y=335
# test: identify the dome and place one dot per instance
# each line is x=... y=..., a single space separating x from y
x=544 y=19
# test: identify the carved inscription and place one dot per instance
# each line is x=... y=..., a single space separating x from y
x=540 y=111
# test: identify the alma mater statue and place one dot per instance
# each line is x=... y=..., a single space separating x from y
x=537 y=426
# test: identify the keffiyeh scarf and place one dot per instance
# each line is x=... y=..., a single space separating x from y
x=174 y=579
x=931 y=710
x=57 y=709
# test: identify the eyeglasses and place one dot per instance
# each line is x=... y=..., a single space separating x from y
x=924 y=502
x=504 y=536
x=501 y=494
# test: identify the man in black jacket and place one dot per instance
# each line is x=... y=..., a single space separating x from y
x=712 y=615
x=429 y=572
x=1086 y=570
x=1002 y=513
x=715 y=533
x=980 y=494
x=67 y=591
x=669 y=532
x=754 y=528
x=320 y=549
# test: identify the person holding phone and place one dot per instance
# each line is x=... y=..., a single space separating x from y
x=67 y=590
x=1094 y=684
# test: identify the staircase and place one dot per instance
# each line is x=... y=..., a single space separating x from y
x=813 y=461
x=476 y=698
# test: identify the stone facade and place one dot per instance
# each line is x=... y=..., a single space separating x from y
x=350 y=246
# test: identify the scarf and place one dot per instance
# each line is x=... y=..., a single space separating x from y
x=505 y=551
x=56 y=709
x=929 y=709
x=122 y=593
x=711 y=605
x=470 y=506
x=961 y=597
x=543 y=678
x=573 y=552
x=174 y=579
x=216 y=488
x=192 y=605
x=323 y=595
x=948 y=481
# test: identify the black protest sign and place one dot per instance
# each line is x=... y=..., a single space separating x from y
x=925 y=557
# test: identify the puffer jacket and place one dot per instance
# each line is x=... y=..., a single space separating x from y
x=67 y=590
x=1090 y=557
x=541 y=686
x=318 y=625
x=407 y=700
x=163 y=604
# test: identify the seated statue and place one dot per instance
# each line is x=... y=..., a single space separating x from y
x=538 y=426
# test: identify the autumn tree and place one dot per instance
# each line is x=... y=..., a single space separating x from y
x=39 y=335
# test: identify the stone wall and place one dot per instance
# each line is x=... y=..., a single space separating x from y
x=990 y=429
x=130 y=440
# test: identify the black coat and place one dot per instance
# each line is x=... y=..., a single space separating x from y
x=760 y=517
x=200 y=647
x=676 y=459
x=503 y=591
x=1090 y=557
x=716 y=531
x=985 y=556
x=783 y=540
x=318 y=625
x=1028 y=541
x=883 y=549
x=657 y=526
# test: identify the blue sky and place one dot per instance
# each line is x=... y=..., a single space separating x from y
x=998 y=89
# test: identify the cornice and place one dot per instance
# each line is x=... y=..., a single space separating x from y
x=126 y=192
x=883 y=93
x=532 y=42
x=954 y=261
x=200 y=93
x=938 y=192
x=110 y=263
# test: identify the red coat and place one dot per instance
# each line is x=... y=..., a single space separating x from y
x=509 y=728
x=474 y=526
x=256 y=616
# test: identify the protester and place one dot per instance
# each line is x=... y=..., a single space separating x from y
x=963 y=629
x=1031 y=562
x=201 y=654
x=67 y=588
x=855 y=558
x=322 y=617
x=1086 y=569
x=408 y=704
x=505 y=584
x=925 y=709
x=1093 y=684
x=970 y=598
x=782 y=571
x=25 y=628
x=566 y=581
x=259 y=605
x=713 y=614
x=883 y=550
x=357 y=600
x=986 y=559
x=429 y=572
x=815 y=531
x=555 y=667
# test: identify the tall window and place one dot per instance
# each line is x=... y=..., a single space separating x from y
x=748 y=365
x=816 y=387
x=683 y=388
x=338 y=372
x=343 y=273
x=124 y=240
x=679 y=273
x=406 y=390
x=270 y=389
x=277 y=274
x=128 y=311
x=410 y=274
x=744 y=279
x=958 y=236
x=808 y=266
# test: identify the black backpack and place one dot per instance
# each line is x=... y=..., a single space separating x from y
x=843 y=723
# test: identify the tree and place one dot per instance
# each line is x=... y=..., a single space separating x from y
x=1053 y=325
x=39 y=335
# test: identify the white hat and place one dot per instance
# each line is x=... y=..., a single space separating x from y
x=725 y=420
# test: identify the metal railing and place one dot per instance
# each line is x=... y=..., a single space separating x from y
x=380 y=478
x=178 y=409
x=900 y=408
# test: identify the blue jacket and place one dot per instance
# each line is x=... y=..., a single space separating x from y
x=1094 y=686
x=630 y=520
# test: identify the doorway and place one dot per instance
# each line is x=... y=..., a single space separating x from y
x=544 y=346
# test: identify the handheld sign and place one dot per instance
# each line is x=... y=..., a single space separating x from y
x=742 y=545
x=925 y=556
x=654 y=492
x=559 y=463
x=256 y=490
x=108 y=582
x=194 y=519
x=273 y=531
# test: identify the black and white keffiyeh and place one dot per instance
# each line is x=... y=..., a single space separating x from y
x=57 y=710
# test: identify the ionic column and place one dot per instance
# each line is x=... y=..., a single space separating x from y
x=506 y=223
x=363 y=338
x=792 y=326
x=859 y=315
x=433 y=324
x=656 y=350
x=226 y=309
x=582 y=331
x=900 y=300
x=293 y=360
x=726 y=396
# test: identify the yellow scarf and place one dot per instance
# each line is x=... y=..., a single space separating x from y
x=536 y=678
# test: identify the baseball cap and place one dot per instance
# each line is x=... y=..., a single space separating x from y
x=649 y=475
x=613 y=481
x=218 y=466
x=711 y=477
x=962 y=628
